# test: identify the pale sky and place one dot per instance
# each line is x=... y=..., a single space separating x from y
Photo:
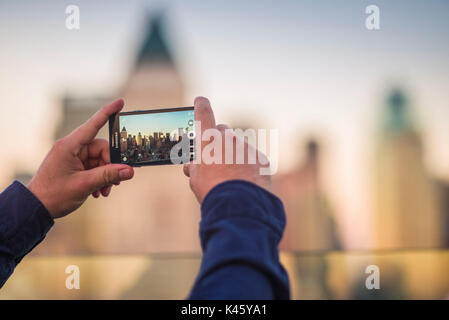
x=165 y=122
x=305 y=67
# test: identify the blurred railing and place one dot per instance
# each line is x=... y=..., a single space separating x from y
x=403 y=274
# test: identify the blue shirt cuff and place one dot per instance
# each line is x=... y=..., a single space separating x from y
x=242 y=198
x=24 y=221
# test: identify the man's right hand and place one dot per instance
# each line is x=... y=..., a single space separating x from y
x=203 y=177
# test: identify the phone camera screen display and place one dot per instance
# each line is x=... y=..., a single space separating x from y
x=157 y=137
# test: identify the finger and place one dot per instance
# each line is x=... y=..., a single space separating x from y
x=91 y=163
x=222 y=128
x=85 y=133
x=96 y=194
x=204 y=113
x=105 y=191
x=99 y=149
x=186 y=169
x=103 y=176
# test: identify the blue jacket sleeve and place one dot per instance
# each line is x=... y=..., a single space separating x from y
x=24 y=222
x=240 y=230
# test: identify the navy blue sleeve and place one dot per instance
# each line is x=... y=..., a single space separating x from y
x=240 y=230
x=24 y=222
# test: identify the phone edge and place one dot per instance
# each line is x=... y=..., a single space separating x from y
x=114 y=151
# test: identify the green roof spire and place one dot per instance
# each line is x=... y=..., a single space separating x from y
x=397 y=113
x=154 y=47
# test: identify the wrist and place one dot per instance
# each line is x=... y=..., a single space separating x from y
x=243 y=198
x=38 y=191
x=261 y=182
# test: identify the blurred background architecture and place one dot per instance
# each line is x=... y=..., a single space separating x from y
x=363 y=154
x=410 y=204
x=145 y=224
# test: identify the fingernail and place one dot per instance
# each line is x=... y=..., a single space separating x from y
x=125 y=174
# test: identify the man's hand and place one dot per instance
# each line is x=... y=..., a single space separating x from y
x=78 y=165
x=203 y=177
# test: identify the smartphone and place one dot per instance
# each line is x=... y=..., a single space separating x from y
x=152 y=137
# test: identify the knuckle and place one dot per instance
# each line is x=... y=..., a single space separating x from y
x=108 y=177
x=102 y=142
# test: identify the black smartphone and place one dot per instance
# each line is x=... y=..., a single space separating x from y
x=152 y=137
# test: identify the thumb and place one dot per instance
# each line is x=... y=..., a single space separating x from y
x=103 y=176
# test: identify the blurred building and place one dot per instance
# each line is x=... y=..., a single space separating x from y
x=156 y=211
x=443 y=188
x=123 y=140
x=75 y=110
x=310 y=226
x=310 y=221
x=409 y=211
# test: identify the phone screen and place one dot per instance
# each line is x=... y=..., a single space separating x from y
x=152 y=137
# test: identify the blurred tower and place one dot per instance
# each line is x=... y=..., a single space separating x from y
x=407 y=208
x=310 y=225
x=310 y=222
x=154 y=80
x=143 y=211
x=140 y=216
